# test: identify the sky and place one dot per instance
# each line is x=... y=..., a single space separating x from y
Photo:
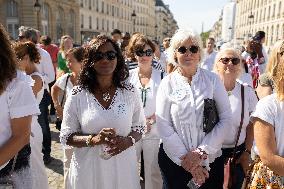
x=191 y=13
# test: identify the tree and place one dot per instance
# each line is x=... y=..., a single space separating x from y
x=204 y=36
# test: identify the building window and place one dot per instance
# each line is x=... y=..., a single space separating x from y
x=81 y=3
x=103 y=24
x=12 y=20
x=82 y=21
x=59 y=23
x=12 y=8
x=71 y=24
x=90 y=22
x=45 y=19
x=103 y=7
x=90 y=4
x=98 y=24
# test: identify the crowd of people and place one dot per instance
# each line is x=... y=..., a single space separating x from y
x=184 y=113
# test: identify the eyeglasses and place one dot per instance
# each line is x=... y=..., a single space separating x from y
x=167 y=40
x=109 y=55
x=148 y=52
x=192 y=49
x=235 y=61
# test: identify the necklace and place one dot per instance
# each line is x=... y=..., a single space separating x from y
x=229 y=93
x=106 y=94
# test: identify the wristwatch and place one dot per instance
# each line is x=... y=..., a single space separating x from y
x=132 y=139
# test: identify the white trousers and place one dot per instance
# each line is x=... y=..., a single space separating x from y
x=67 y=155
x=150 y=147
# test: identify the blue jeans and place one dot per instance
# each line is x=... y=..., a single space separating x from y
x=43 y=121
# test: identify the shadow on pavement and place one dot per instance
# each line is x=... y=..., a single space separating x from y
x=56 y=165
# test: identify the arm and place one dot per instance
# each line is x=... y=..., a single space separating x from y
x=266 y=144
x=21 y=129
x=37 y=85
x=55 y=91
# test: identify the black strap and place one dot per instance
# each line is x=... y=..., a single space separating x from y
x=64 y=91
x=241 y=123
x=162 y=75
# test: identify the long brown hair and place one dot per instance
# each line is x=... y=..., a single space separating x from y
x=27 y=48
x=8 y=66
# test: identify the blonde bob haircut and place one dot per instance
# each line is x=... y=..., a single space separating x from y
x=236 y=53
x=179 y=37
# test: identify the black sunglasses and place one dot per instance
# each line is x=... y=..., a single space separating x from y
x=192 y=49
x=148 y=52
x=109 y=55
x=235 y=61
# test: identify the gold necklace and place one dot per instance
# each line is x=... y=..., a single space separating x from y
x=106 y=93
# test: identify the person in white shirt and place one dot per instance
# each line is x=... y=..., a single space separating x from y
x=187 y=147
x=147 y=79
x=46 y=69
x=268 y=121
x=18 y=105
x=228 y=67
x=28 y=57
x=64 y=85
x=209 y=55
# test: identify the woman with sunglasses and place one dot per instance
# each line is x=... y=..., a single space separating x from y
x=189 y=150
x=102 y=120
x=228 y=67
x=147 y=79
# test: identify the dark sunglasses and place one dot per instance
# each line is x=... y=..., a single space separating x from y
x=235 y=61
x=148 y=52
x=192 y=49
x=109 y=55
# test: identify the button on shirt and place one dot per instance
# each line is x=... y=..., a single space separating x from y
x=179 y=114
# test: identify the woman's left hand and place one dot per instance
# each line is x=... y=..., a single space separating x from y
x=244 y=161
x=118 y=144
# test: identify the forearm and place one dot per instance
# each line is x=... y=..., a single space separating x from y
x=275 y=163
x=80 y=140
x=54 y=95
x=12 y=147
x=249 y=136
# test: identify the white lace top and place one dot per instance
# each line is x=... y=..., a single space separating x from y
x=179 y=114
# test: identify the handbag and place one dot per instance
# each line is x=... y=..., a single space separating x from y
x=230 y=166
x=58 y=121
x=7 y=181
x=210 y=115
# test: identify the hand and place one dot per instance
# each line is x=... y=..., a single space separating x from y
x=244 y=161
x=118 y=144
x=59 y=111
x=104 y=136
x=192 y=160
x=200 y=174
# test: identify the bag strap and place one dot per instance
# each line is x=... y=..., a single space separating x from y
x=64 y=92
x=241 y=123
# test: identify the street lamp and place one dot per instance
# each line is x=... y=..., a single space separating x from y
x=250 y=17
x=133 y=16
x=156 y=30
x=37 y=8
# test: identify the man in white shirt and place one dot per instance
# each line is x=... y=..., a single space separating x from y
x=209 y=55
x=46 y=69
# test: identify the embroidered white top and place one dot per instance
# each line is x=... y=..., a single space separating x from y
x=179 y=114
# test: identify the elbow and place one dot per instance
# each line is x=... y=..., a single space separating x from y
x=26 y=138
x=267 y=160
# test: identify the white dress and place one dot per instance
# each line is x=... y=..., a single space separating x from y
x=39 y=175
x=84 y=114
x=18 y=101
x=151 y=141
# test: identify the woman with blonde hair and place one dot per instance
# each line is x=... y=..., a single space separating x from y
x=268 y=170
x=190 y=144
x=228 y=66
x=265 y=84
x=66 y=43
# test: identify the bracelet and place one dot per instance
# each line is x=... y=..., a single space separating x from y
x=132 y=139
x=89 y=140
x=248 y=151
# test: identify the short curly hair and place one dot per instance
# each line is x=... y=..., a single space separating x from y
x=88 y=76
x=27 y=48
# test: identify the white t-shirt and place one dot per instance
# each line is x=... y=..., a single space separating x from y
x=18 y=101
x=245 y=79
x=61 y=82
x=250 y=101
x=271 y=110
x=209 y=60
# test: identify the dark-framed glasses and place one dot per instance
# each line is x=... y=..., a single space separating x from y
x=148 y=52
x=235 y=61
x=192 y=49
x=109 y=55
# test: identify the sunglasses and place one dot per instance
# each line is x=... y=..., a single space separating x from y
x=192 y=49
x=109 y=55
x=148 y=52
x=235 y=61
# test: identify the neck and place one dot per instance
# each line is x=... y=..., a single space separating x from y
x=105 y=82
x=209 y=51
x=30 y=69
x=188 y=73
x=229 y=82
x=145 y=70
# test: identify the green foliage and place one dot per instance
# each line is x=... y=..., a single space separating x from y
x=204 y=36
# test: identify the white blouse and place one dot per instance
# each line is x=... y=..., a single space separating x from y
x=61 y=82
x=271 y=110
x=179 y=114
x=250 y=101
x=18 y=101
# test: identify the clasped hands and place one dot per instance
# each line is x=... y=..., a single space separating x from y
x=116 y=143
x=191 y=162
